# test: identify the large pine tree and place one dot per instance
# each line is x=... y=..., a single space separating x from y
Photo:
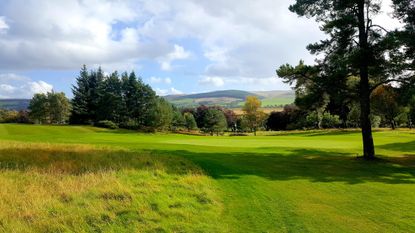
x=355 y=47
x=139 y=99
x=86 y=96
x=110 y=102
x=80 y=102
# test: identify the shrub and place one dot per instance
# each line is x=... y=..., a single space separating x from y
x=312 y=120
x=130 y=124
x=277 y=121
x=8 y=116
x=189 y=120
x=23 y=117
x=106 y=124
x=330 y=121
x=375 y=120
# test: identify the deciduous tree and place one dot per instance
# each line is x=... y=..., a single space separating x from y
x=253 y=116
x=190 y=121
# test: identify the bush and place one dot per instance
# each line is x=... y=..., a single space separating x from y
x=312 y=120
x=106 y=124
x=326 y=120
x=375 y=120
x=353 y=118
x=130 y=124
x=330 y=121
x=277 y=121
x=23 y=117
x=8 y=116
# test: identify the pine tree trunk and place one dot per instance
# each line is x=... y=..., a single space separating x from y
x=368 y=145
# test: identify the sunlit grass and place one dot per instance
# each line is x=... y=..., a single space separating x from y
x=85 y=179
x=80 y=188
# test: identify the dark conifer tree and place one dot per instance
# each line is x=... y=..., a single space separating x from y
x=110 y=101
x=80 y=103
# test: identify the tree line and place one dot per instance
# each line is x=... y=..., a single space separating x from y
x=125 y=101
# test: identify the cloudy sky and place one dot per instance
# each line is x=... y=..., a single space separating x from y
x=180 y=46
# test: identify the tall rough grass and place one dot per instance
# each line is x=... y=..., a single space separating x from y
x=80 y=188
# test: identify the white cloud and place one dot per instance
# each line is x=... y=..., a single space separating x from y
x=234 y=43
x=212 y=81
x=157 y=80
x=15 y=86
x=174 y=91
x=3 y=25
x=246 y=83
x=260 y=84
x=161 y=92
x=71 y=33
x=170 y=91
x=179 y=53
x=167 y=80
x=7 y=89
x=39 y=87
x=241 y=38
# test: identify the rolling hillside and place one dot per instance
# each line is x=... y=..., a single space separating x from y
x=225 y=98
x=14 y=104
x=232 y=98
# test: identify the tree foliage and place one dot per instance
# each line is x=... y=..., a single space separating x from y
x=355 y=47
x=124 y=100
x=214 y=121
x=50 y=108
x=254 y=118
x=190 y=122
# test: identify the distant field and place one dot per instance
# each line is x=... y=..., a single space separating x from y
x=84 y=179
x=232 y=98
x=273 y=102
x=267 y=103
x=239 y=111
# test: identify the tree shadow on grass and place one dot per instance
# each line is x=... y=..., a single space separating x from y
x=318 y=132
x=292 y=164
x=401 y=146
x=312 y=165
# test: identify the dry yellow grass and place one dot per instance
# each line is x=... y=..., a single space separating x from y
x=80 y=188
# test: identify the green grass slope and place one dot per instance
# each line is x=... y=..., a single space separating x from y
x=86 y=179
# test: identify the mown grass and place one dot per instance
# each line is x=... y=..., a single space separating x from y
x=86 y=179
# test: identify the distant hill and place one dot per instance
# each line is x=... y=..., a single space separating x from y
x=232 y=98
x=214 y=94
x=14 y=104
x=275 y=94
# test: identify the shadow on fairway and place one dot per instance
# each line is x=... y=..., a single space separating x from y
x=312 y=133
x=291 y=164
x=404 y=146
x=313 y=165
x=322 y=132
